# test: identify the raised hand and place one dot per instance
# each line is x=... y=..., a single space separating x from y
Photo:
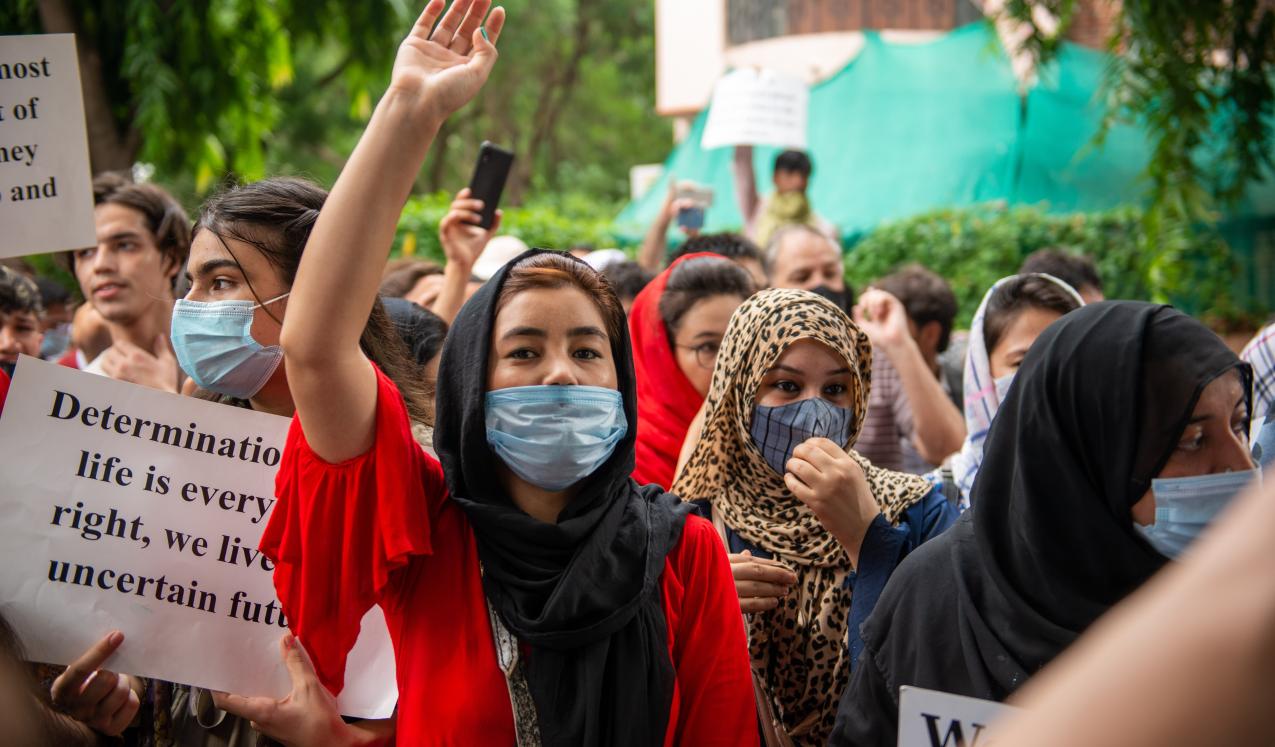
x=825 y=478
x=883 y=318
x=461 y=236
x=105 y=701
x=446 y=64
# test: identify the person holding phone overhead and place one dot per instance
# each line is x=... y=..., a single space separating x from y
x=534 y=593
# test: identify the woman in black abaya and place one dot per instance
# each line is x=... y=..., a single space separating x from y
x=1110 y=397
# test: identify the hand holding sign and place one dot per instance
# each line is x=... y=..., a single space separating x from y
x=105 y=701
x=307 y=715
x=130 y=509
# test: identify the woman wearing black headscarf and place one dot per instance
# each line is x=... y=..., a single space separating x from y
x=1112 y=406
x=534 y=593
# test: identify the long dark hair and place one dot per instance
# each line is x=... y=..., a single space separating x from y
x=275 y=216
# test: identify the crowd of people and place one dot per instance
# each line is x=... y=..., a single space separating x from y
x=707 y=496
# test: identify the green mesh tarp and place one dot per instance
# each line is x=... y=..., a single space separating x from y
x=906 y=128
x=901 y=129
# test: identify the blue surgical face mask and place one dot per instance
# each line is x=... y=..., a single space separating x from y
x=778 y=430
x=214 y=346
x=1264 y=443
x=1184 y=506
x=1002 y=386
x=554 y=436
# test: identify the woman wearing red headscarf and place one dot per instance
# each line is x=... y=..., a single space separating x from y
x=677 y=323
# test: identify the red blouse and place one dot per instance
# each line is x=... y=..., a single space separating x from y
x=379 y=529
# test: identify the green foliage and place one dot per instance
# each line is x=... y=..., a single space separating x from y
x=560 y=223
x=1196 y=77
x=974 y=247
x=207 y=90
x=195 y=86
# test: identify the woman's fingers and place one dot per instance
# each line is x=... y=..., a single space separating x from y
x=108 y=705
x=760 y=589
x=495 y=22
x=748 y=568
x=260 y=710
x=803 y=470
x=69 y=684
x=757 y=604
x=424 y=25
x=461 y=44
x=122 y=717
x=445 y=31
x=800 y=490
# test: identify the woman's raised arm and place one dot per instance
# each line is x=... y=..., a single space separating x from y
x=439 y=68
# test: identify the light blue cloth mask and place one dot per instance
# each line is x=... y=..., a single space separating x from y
x=1185 y=506
x=214 y=346
x=554 y=436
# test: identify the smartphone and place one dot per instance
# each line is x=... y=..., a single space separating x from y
x=488 y=182
x=691 y=218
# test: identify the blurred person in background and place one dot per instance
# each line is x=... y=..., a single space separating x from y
x=1013 y=313
x=415 y=278
x=787 y=205
x=910 y=427
x=21 y=319
x=130 y=277
x=735 y=247
x=1074 y=269
x=627 y=280
x=676 y=329
x=58 y=311
x=800 y=258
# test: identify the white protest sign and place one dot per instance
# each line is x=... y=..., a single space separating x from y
x=757 y=107
x=133 y=509
x=929 y=718
x=46 y=188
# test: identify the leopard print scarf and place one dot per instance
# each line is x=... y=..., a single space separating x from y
x=798 y=649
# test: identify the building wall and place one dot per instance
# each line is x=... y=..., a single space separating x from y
x=698 y=40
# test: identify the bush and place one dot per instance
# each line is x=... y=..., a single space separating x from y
x=974 y=247
x=557 y=222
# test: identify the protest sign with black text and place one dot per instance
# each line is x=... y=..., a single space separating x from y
x=134 y=509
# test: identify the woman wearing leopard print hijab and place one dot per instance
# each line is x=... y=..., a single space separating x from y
x=775 y=471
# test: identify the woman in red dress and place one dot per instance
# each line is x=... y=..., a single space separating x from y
x=535 y=594
x=677 y=323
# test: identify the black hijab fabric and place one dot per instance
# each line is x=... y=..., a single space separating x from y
x=583 y=594
x=1049 y=545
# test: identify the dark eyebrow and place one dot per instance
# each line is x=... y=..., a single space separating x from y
x=524 y=332
x=706 y=333
x=213 y=265
x=789 y=369
x=122 y=235
x=587 y=331
x=838 y=372
x=217 y=264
